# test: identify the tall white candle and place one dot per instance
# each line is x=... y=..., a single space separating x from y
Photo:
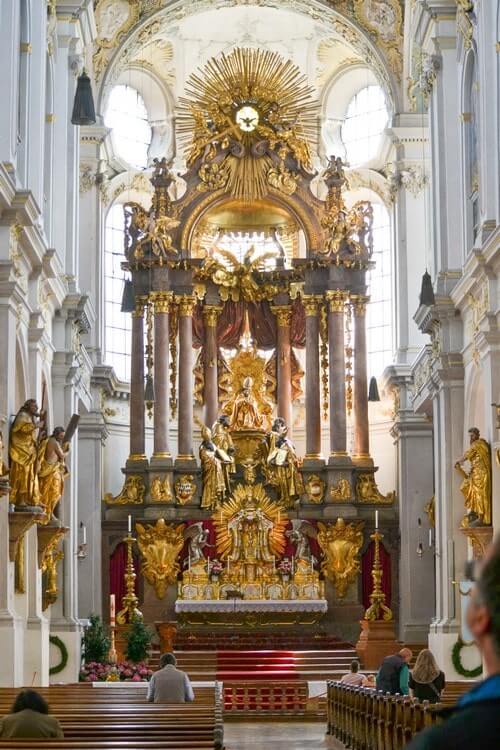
x=293 y=564
x=376 y=520
x=312 y=564
x=274 y=563
x=130 y=524
x=84 y=534
x=112 y=609
x=189 y=562
x=430 y=537
x=208 y=565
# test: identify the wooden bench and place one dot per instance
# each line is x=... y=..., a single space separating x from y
x=365 y=719
x=118 y=717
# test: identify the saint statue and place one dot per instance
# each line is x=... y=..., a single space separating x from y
x=476 y=487
x=221 y=436
x=52 y=471
x=4 y=472
x=245 y=414
x=23 y=452
x=250 y=529
x=215 y=477
x=282 y=464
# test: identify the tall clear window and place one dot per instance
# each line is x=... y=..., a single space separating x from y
x=127 y=117
x=117 y=332
x=379 y=313
x=365 y=121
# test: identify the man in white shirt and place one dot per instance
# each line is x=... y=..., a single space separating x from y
x=169 y=685
x=354 y=677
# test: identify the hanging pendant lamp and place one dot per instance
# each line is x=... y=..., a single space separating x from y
x=149 y=391
x=373 y=394
x=83 y=105
x=128 y=298
x=426 y=291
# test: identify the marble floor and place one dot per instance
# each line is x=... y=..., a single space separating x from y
x=278 y=735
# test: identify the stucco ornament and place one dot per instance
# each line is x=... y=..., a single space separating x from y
x=160 y=546
x=341 y=544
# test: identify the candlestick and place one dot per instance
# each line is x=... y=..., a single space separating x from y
x=130 y=524
x=129 y=612
x=378 y=610
x=376 y=519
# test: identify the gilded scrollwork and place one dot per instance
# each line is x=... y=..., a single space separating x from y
x=161 y=490
x=132 y=492
x=184 y=488
x=315 y=488
x=160 y=546
x=341 y=544
x=341 y=492
x=368 y=492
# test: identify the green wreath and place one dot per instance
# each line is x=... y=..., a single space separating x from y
x=457 y=662
x=64 y=654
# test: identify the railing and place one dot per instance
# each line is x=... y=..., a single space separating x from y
x=364 y=719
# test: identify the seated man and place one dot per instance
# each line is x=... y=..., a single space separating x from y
x=169 y=685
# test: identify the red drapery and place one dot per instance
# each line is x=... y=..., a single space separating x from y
x=366 y=571
x=117 y=566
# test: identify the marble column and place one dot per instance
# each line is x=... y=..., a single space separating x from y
x=211 y=389
x=336 y=352
x=185 y=409
x=313 y=385
x=360 y=395
x=161 y=375
x=284 y=364
x=137 y=418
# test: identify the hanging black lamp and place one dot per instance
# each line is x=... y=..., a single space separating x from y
x=149 y=391
x=83 y=105
x=426 y=291
x=128 y=299
x=373 y=394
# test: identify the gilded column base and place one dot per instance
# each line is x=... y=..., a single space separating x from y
x=135 y=457
x=362 y=459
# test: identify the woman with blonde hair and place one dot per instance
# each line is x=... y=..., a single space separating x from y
x=426 y=681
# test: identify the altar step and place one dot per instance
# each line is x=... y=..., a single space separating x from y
x=263 y=665
x=187 y=640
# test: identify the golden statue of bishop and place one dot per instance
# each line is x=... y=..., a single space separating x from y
x=23 y=453
x=52 y=471
x=245 y=414
x=215 y=465
x=476 y=487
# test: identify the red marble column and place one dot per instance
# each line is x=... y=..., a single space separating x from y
x=360 y=396
x=313 y=387
x=211 y=389
x=137 y=414
x=336 y=346
x=185 y=409
x=284 y=364
x=161 y=375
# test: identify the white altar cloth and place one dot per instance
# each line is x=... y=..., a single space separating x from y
x=250 y=605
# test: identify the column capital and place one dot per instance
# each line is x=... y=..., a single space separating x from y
x=161 y=302
x=359 y=302
x=186 y=305
x=283 y=314
x=210 y=314
x=139 y=307
x=311 y=304
x=336 y=300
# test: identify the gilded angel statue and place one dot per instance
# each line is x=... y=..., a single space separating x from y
x=300 y=534
x=236 y=280
x=197 y=538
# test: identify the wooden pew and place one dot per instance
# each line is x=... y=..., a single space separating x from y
x=364 y=719
x=117 y=717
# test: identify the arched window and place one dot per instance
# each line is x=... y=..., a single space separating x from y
x=117 y=324
x=379 y=320
x=365 y=121
x=127 y=116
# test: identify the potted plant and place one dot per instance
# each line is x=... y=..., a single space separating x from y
x=138 y=641
x=95 y=641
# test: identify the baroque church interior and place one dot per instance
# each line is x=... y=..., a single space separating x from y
x=250 y=383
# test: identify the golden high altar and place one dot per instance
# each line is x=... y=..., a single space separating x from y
x=237 y=528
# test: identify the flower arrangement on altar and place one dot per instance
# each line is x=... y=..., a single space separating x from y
x=215 y=567
x=94 y=671
x=285 y=567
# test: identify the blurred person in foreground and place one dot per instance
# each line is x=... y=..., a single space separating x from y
x=168 y=684
x=475 y=720
x=30 y=718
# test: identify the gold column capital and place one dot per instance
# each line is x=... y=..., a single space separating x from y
x=336 y=300
x=210 y=314
x=140 y=302
x=186 y=305
x=311 y=304
x=359 y=303
x=161 y=302
x=283 y=314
